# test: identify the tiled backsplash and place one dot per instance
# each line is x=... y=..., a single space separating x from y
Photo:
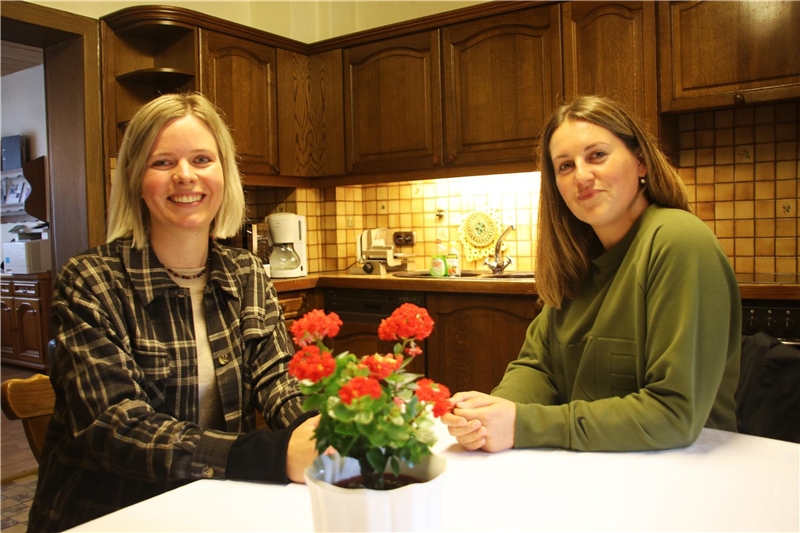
x=741 y=168
x=434 y=209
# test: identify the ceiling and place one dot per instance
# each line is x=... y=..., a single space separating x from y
x=15 y=57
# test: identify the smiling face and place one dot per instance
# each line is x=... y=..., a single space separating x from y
x=183 y=181
x=598 y=178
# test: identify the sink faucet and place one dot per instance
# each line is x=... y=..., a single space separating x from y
x=497 y=266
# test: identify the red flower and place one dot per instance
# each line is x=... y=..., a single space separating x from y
x=413 y=350
x=406 y=322
x=315 y=326
x=429 y=391
x=359 y=386
x=381 y=366
x=312 y=364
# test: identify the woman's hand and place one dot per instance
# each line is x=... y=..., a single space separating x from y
x=302 y=449
x=481 y=421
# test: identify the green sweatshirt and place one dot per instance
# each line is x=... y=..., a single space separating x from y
x=644 y=356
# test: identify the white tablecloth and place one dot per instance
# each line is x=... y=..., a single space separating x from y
x=723 y=482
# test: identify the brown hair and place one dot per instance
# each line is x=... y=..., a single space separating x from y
x=128 y=214
x=565 y=243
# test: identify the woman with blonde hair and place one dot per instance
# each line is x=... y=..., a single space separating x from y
x=637 y=345
x=166 y=340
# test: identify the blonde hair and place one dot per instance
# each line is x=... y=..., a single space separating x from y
x=566 y=244
x=128 y=213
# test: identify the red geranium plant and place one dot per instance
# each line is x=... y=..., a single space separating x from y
x=371 y=409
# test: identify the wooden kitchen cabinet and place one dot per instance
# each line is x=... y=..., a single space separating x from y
x=239 y=76
x=296 y=303
x=475 y=337
x=716 y=54
x=25 y=314
x=310 y=114
x=393 y=104
x=502 y=79
x=610 y=50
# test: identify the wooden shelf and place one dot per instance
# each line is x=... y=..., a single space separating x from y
x=157 y=76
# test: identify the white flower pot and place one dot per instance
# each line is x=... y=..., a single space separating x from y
x=416 y=507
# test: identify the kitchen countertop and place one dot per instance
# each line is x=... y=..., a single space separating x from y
x=479 y=285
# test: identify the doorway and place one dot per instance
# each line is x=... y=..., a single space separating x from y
x=70 y=44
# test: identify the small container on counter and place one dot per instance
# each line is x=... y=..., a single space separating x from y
x=439 y=266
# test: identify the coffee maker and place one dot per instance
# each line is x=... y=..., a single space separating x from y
x=287 y=240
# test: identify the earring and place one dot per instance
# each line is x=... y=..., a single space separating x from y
x=642 y=181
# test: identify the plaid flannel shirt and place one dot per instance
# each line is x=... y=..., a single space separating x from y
x=125 y=375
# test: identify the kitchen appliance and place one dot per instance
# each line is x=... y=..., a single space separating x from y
x=777 y=318
x=288 y=257
x=27 y=257
x=375 y=254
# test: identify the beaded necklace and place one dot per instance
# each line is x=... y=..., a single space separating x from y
x=192 y=276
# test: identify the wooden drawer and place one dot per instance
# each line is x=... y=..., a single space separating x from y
x=26 y=289
x=292 y=306
x=6 y=287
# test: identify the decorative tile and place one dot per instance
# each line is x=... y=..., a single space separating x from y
x=785 y=208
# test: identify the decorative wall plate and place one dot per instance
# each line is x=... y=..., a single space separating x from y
x=478 y=233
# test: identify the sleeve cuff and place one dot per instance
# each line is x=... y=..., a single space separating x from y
x=260 y=455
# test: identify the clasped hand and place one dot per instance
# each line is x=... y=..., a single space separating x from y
x=480 y=421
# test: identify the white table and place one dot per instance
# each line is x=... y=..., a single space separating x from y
x=724 y=482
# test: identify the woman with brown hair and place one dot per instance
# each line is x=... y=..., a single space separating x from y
x=637 y=345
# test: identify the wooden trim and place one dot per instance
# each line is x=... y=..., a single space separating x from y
x=132 y=16
x=430 y=22
x=452 y=171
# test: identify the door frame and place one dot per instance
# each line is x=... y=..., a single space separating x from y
x=71 y=47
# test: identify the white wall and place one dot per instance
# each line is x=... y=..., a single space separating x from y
x=306 y=21
x=24 y=113
x=23 y=108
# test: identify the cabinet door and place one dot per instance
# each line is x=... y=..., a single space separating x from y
x=475 y=338
x=502 y=78
x=610 y=50
x=8 y=334
x=392 y=102
x=27 y=314
x=361 y=338
x=725 y=53
x=239 y=77
x=311 y=113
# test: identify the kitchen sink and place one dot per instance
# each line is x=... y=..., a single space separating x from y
x=424 y=274
x=427 y=274
x=510 y=275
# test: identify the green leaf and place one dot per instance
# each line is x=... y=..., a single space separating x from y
x=313 y=402
x=364 y=417
x=343 y=413
x=377 y=459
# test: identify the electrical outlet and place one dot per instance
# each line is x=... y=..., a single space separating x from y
x=404 y=238
x=349 y=221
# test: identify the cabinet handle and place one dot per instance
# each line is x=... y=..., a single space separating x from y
x=276 y=169
x=434 y=160
x=451 y=158
x=738 y=99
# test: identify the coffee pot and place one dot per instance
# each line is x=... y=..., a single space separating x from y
x=287 y=240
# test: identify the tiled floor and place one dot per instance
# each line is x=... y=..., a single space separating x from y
x=17 y=496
